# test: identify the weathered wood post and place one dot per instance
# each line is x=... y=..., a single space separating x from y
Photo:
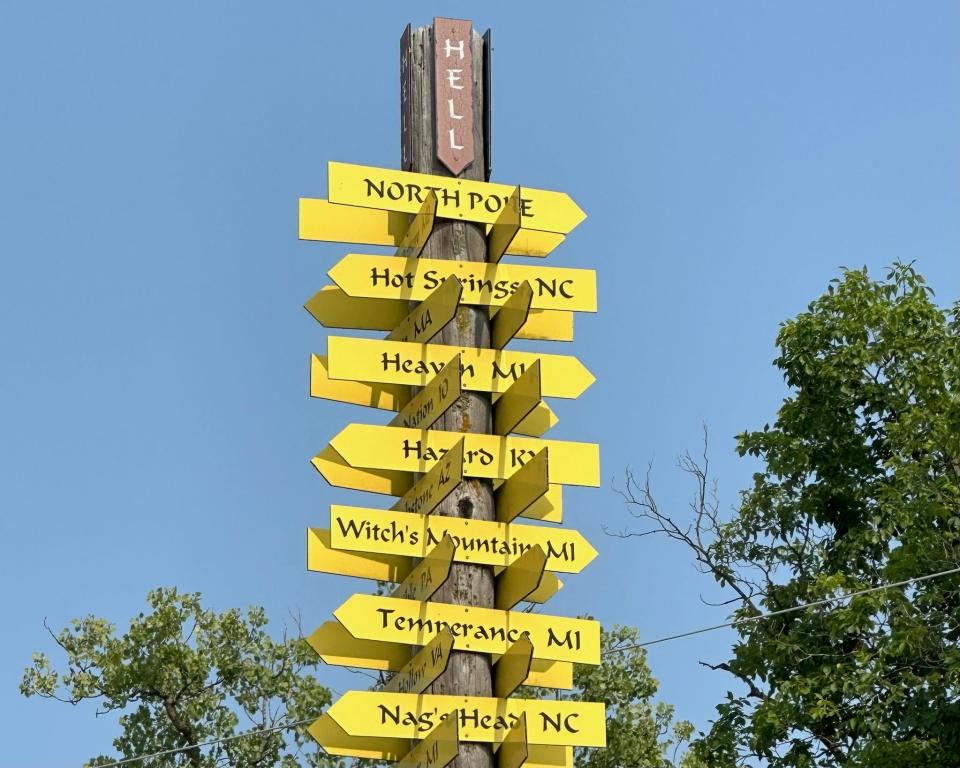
x=442 y=116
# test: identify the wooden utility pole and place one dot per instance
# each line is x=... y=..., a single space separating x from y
x=467 y=674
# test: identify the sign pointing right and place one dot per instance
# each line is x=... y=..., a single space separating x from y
x=458 y=199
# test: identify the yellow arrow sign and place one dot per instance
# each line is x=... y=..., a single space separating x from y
x=428 y=318
x=480 y=542
x=505 y=228
x=337 y=646
x=538 y=421
x=335 y=741
x=333 y=308
x=484 y=370
x=524 y=488
x=323 y=558
x=507 y=320
x=438 y=749
x=341 y=475
x=484 y=284
x=425 y=667
x=424 y=495
x=520 y=579
x=480 y=630
x=433 y=400
x=547 y=325
x=544 y=756
x=512 y=668
x=490 y=456
x=429 y=574
x=416 y=236
x=411 y=716
x=514 y=750
x=459 y=199
x=322 y=220
x=549 y=586
x=548 y=507
x=393 y=397
x=518 y=402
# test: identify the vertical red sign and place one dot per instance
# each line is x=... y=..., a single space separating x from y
x=453 y=79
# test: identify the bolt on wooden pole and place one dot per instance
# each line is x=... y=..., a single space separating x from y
x=444 y=132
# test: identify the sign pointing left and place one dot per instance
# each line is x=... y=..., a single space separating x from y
x=335 y=741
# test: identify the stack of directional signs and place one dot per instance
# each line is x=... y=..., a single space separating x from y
x=405 y=543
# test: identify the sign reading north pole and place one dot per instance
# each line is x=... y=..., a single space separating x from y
x=418 y=540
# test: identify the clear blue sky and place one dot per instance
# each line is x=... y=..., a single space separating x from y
x=154 y=422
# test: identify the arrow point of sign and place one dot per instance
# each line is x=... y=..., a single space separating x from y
x=586 y=377
x=590 y=550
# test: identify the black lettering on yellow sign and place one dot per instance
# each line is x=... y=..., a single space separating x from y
x=516 y=457
x=471 y=719
x=380 y=189
x=456 y=628
x=496 y=289
x=400 y=364
x=403 y=534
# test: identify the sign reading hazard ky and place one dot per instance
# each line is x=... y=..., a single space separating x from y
x=461 y=199
x=491 y=456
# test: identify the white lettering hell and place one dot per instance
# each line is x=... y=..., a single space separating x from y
x=448 y=49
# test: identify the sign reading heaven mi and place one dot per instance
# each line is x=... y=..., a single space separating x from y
x=484 y=370
x=441 y=441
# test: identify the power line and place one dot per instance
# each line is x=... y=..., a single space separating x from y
x=801 y=607
x=769 y=614
x=211 y=743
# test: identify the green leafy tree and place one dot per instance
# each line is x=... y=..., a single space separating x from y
x=859 y=486
x=182 y=675
x=640 y=733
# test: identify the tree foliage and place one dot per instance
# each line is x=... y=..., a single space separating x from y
x=181 y=675
x=859 y=486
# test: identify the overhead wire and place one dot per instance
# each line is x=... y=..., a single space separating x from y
x=646 y=643
x=782 y=611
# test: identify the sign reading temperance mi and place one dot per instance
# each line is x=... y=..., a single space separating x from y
x=480 y=630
